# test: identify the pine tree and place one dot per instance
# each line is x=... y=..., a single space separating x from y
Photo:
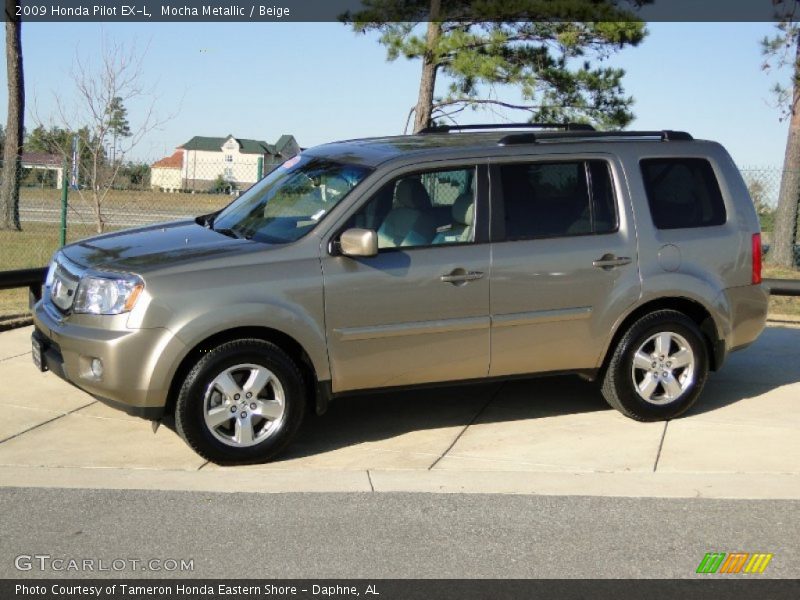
x=552 y=61
x=118 y=125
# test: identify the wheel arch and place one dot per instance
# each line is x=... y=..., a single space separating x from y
x=693 y=309
x=284 y=341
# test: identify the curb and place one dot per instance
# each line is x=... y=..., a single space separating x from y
x=753 y=486
x=783 y=319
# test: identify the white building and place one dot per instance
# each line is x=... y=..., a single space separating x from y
x=167 y=174
x=237 y=162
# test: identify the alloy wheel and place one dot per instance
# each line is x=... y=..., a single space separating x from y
x=663 y=368
x=244 y=405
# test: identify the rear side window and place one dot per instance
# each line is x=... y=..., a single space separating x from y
x=682 y=193
x=558 y=199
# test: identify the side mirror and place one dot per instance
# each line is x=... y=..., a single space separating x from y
x=359 y=242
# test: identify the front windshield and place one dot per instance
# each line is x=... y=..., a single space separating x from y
x=290 y=201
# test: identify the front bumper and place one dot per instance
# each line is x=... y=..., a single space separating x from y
x=138 y=364
x=53 y=360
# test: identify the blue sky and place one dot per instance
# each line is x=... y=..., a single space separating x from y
x=321 y=82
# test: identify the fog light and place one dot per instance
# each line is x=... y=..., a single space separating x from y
x=97 y=368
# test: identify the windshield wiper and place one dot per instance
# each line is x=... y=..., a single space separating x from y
x=205 y=220
x=229 y=232
x=234 y=233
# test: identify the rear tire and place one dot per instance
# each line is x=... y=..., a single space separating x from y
x=243 y=402
x=658 y=368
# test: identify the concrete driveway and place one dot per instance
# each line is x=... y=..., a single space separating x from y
x=537 y=436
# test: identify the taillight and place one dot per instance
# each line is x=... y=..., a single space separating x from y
x=756 y=258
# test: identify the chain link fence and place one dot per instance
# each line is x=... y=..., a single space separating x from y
x=764 y=185
x=141 y=195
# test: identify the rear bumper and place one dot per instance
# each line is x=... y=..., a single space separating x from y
x=137 y=363
x=748 y=305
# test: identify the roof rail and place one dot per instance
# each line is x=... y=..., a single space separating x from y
x=562 y=126
x=666 y=135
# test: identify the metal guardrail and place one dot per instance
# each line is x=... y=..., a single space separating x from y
x=782 y=287
x=34 y=278
x=29 y=278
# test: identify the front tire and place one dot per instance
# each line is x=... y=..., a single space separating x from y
x=658 y=368
x=243 y=402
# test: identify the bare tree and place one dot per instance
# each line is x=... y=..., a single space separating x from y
x=12 y=147
x=759 y=190
x=105 y=87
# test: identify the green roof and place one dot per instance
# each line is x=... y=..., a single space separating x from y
x=283 y=141
x=214 y=144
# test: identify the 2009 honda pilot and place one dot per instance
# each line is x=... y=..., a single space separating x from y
x=632 y=258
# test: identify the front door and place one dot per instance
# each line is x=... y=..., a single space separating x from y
x=564 y=266
x=418 y=312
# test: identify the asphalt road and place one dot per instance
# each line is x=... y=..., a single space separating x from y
x=387 y=535
x=113 y=217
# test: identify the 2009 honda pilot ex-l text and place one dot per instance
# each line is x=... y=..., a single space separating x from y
x=631 y=258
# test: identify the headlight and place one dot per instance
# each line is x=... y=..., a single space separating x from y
x=111 y=295
x=48 y=281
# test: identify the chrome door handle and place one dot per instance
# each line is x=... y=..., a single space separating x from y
x=609 y=261
x=457 y=276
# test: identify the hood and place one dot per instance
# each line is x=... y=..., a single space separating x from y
x=155 y=247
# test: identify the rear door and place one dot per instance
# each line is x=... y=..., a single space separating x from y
x=564 y=262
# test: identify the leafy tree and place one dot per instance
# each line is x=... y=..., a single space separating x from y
x=137 y=174
x=58 y=140
x=221 y=186
x=12 y=144
x=2 y=135
x=783 y=50
x=551 y=62
x=49 y=141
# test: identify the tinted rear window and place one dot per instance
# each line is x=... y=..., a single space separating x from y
x=682 y=193
x=557 y=199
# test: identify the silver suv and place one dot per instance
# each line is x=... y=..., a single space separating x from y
x=630 y=258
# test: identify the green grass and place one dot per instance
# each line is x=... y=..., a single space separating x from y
x=13 y=302
x=36 y=243
x=31 y=247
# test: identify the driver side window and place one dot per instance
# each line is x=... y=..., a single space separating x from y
x=422 y=209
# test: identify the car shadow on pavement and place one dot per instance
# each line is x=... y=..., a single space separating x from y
x=363 y=418
x=773 y=361
x=769 y=363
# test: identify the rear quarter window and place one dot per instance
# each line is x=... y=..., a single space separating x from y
x=682 y=193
